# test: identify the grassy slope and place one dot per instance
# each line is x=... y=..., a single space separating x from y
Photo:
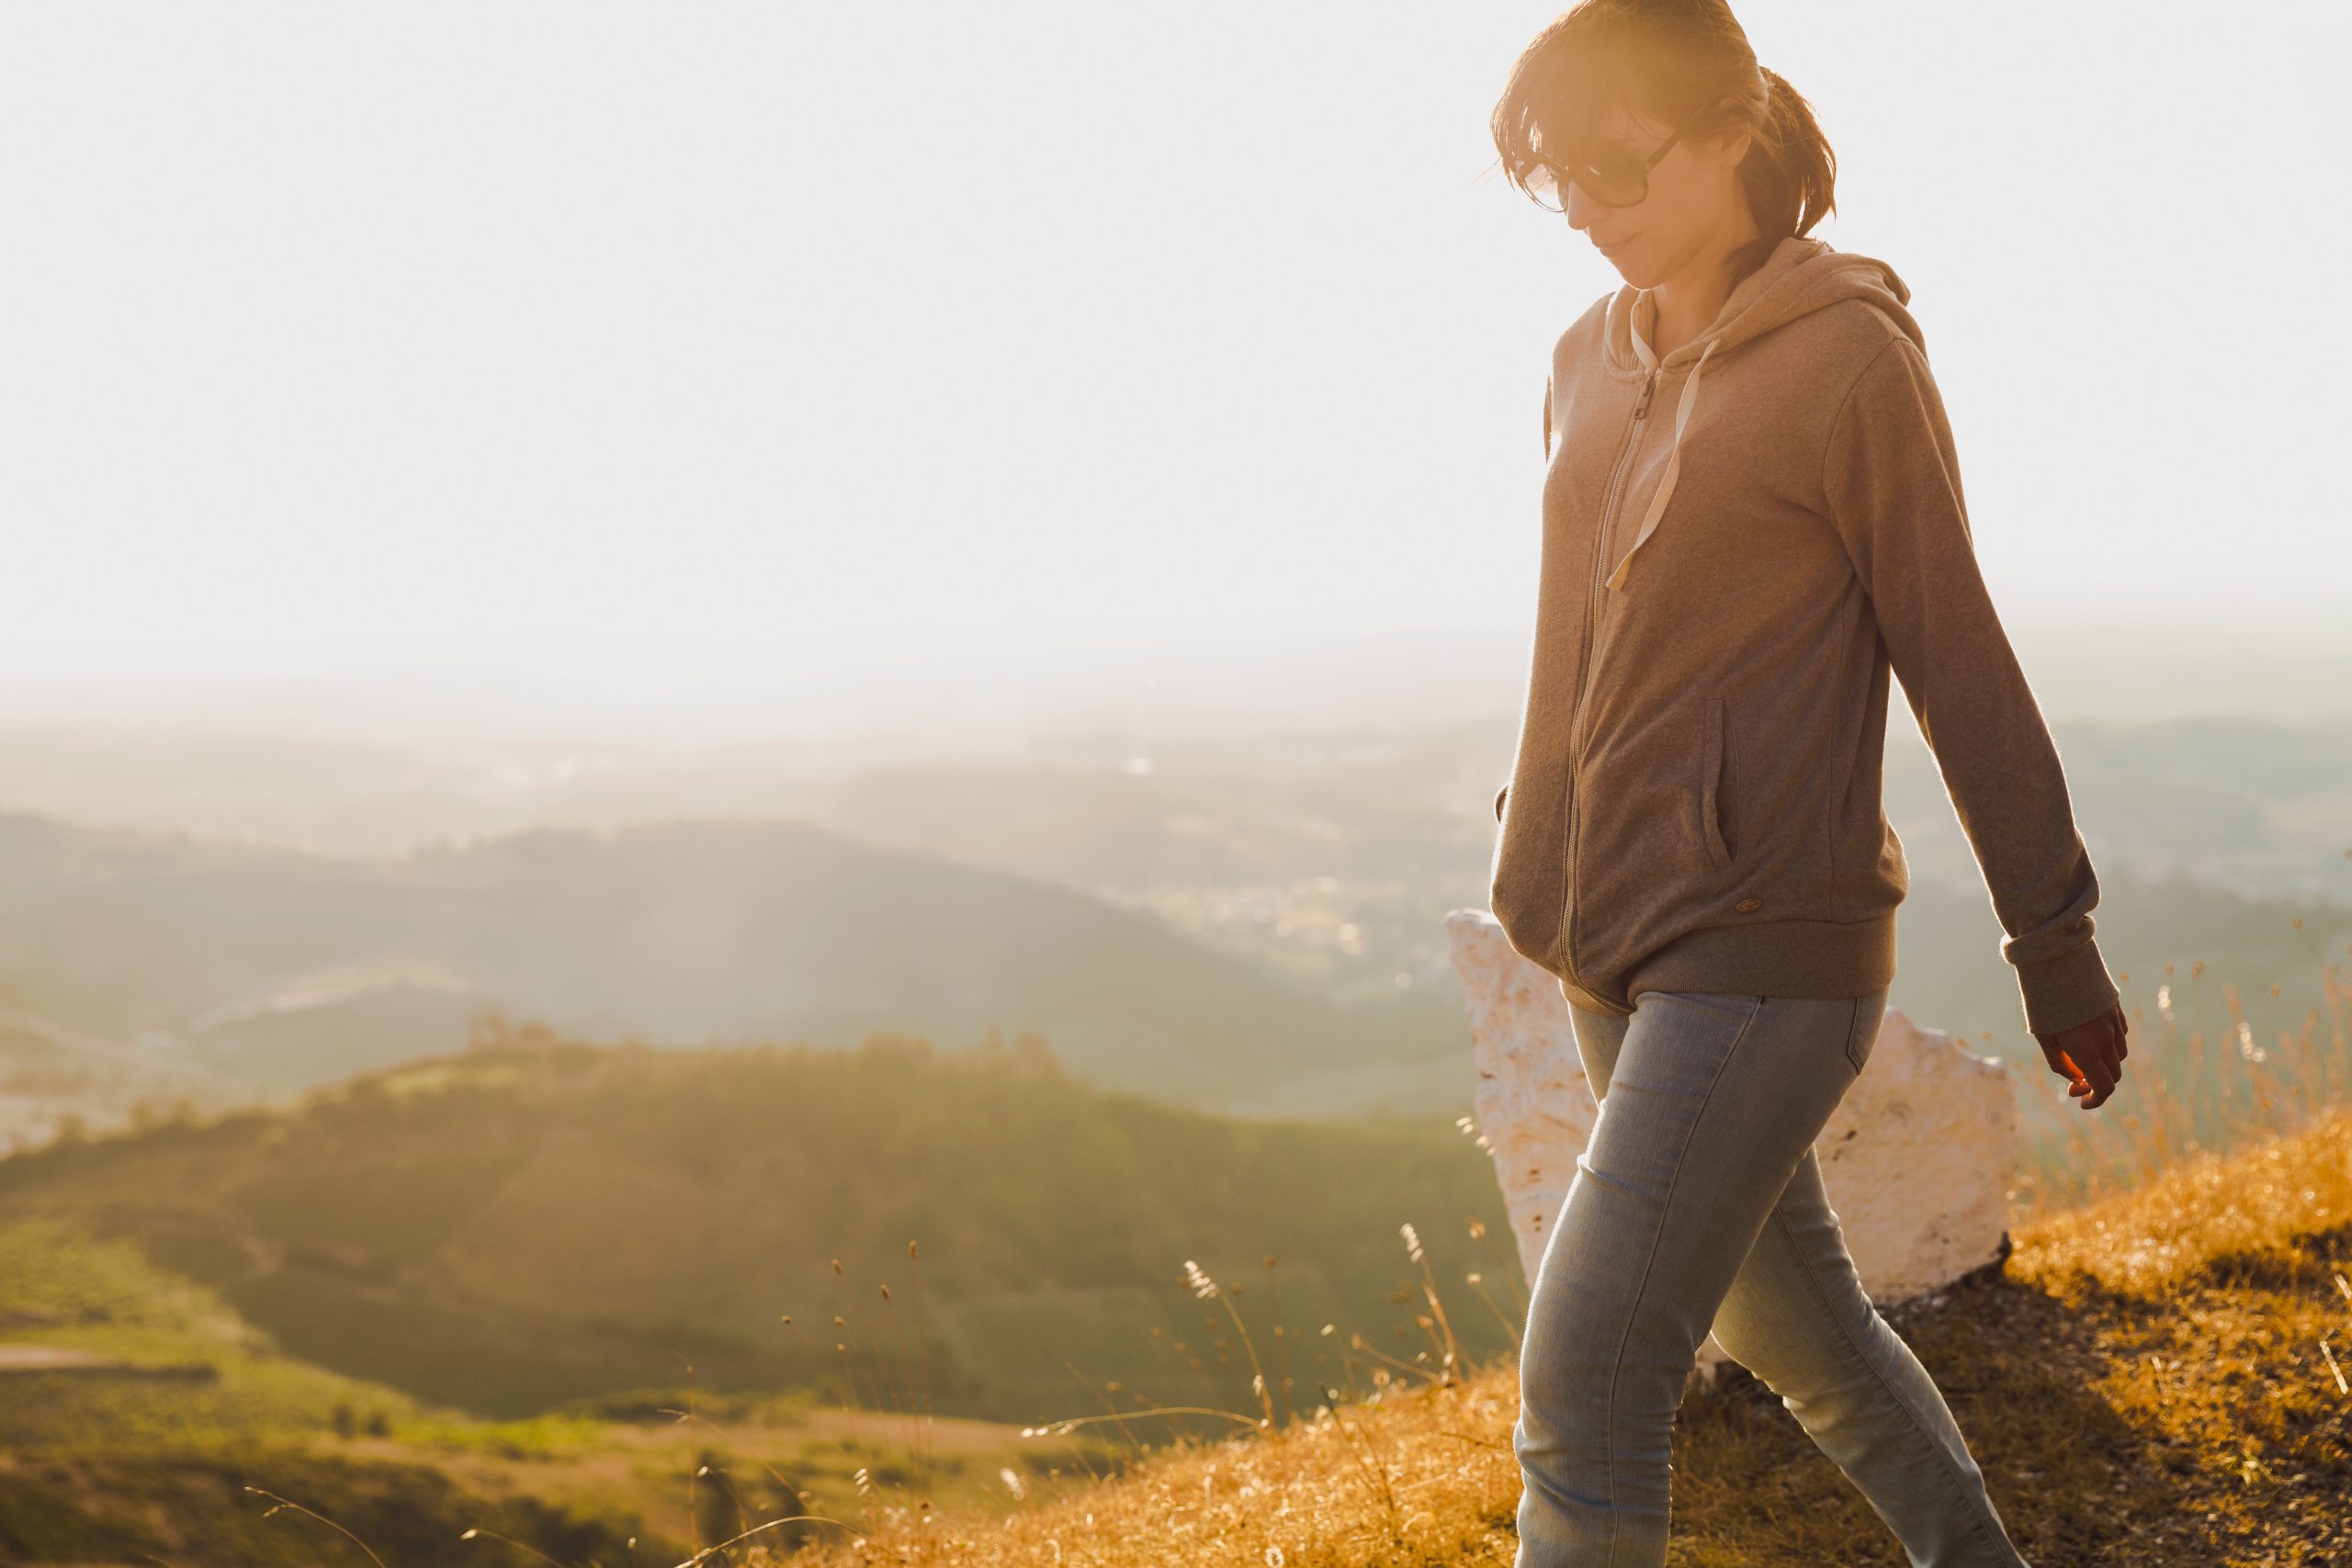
x=518 y=1228
x=144 y=1449
x=187 y=1365
x=2143 y=1384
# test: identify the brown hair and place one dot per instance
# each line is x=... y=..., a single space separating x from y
x=1669 y=60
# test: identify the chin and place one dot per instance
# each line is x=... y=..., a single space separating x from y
x=1630 y=267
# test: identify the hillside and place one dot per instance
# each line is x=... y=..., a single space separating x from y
x=137 y=1408
x=219 y=967
x=537 y=1222
x=1251 y=966
x=332 y=1301
x=2155 y=1380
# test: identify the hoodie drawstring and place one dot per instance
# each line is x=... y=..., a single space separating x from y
x=1674 y=457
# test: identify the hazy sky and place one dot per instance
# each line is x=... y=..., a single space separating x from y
x=690 y=345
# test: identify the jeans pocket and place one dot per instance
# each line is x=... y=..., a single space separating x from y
x=1862 y=1033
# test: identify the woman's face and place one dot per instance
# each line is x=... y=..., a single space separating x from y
x=1692 y=202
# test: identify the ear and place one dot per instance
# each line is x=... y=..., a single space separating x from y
x=1730 y=147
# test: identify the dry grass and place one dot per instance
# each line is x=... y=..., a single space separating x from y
x=2143 y=1383
x=2232 y=1089
x=2157 y=1375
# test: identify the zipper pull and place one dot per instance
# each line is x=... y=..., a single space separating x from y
x=1642 y=408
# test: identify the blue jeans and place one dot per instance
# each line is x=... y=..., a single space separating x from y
x=1697 y=1204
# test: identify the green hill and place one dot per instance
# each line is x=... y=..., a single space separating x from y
x=139 y=1412
x=535 y=1220
x=136 y=1408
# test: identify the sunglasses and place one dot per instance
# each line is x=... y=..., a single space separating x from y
x=1614 y=175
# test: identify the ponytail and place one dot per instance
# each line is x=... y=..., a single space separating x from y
x=1789 y=174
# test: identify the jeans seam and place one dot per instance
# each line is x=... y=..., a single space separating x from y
x=1649 y=1263
x=1992 y=1536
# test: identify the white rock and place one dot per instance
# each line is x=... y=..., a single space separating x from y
x=1916 y=1158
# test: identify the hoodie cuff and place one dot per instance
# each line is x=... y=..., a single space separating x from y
x=2061 y=992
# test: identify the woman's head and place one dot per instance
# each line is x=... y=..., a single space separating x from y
x=1612 y=85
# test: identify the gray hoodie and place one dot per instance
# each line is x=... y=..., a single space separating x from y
x=1740 y=541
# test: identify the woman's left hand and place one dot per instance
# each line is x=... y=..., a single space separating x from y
x=2090 y=1055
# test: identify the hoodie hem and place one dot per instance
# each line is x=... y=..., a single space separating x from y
x=1834 y=959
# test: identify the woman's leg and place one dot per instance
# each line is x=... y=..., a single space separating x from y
x=1709 y=1105
x=1710 y=1101
x=1797 y=1316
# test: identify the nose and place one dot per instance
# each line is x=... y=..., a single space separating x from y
x=1579 y=208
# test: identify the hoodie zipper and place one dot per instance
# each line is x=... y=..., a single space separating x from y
x=1583 y=678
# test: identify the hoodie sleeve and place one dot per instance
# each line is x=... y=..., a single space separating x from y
x=1892 y=479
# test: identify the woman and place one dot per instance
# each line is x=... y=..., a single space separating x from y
x=1752 y=513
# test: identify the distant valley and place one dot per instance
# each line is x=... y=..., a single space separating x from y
x=1253 y=924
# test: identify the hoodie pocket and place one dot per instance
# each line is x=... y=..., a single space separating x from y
x=1713 y=766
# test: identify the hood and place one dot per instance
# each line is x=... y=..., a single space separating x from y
x=1801 y=275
